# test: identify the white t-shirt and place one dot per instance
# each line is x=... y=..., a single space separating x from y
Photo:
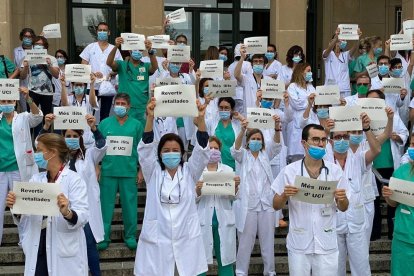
x=336 y=70
x=40 y=79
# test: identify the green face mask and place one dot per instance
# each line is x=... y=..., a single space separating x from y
x=362 y=89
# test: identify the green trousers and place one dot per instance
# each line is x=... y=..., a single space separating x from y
x=127 y=187
x=226 y=270
x=402 y=254
x=138 y=115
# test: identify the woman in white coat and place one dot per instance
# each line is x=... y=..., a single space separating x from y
x=55 y=245
x=171 y=235
x=253 y=207
x=16 y=151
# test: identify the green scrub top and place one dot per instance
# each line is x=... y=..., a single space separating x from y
x=10 y=67
x=384 y=159
x=7 y=156
x=362 y=62
x=351 y=66
x=180 y=122
x=227 y=137
x=116 y=165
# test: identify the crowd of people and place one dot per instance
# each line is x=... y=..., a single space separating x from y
x=183 y=228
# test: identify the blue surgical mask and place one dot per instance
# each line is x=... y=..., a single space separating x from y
x=205 y=90
x=102 y=36
x=356 y=139
x=341 y=146
x=270 y=55
x=174 y=68
x=40 y=160
x=224 y=115
x=60 y=61
x=171 y=160
x=411 y=153
x=266 y=104
x=296 y=59
x=72 y=143
x=255 y=145
x=397 y=72
x=383 y=69
x=78 y=90
x=136 y=55
x=316 y=153
x=120 y=111
x=343 y=44
x=27 y=41
x=308 y=77
x=378 y=51
x=258 y=68
x=222 y=57
x=7 y=108
x=38 y=47
x=323 y=113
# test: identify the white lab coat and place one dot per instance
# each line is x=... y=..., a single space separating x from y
x=65 y=243
x=226 y=220
x=397 y=149
x=164 y=125
x=171 y=233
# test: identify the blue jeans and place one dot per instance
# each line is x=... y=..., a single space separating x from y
x=93 y=255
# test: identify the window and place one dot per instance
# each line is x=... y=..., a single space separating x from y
x=398 y=19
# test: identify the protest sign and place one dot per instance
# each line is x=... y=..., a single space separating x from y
x=375 y=108
x=224 y=88
x=133 y=42
x=393 y=85
x=218 y=183
x=177 y=16
x=378 y=127
x=272 y=89
x=36 y=56
x=348 y=32
x=52 y=31
x=408 y=27
x=78 y=73
x=175 y=101
x=401 y=42
x=402 y=191
x=211 y=69
x=327 y=95
x=178 y=53
x=70 y=117
x=167 y=81
x=256 y=45
x=346 y=118
x=119 y=145
x=372 y=70
x=314 y=191
x=159 y=41
x=9 y=89
x=260 y=118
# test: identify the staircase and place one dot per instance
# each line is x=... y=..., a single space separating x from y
x=118 y=260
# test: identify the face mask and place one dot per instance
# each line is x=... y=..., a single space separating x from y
x=316 y=153
x=378 y=51
x=222 y=57
x=174 y=68
x=7 y=108
x=102 y=36
x=258 y=68
x=341 y=146
x=343 y=44
x=60 y=61
x=72 y=143
x=27 y=41
x=411 y=153
x=270 y=55
x=171 y=159
x=224 y=115
x=205 y=90
x=78 y=90
x=38 y=47
x=215 y=156
x=255 y=145
x=40 y=160
x=308 y=76
x=356 y=139
x=136 y=55
x=120 y=111
x=323 y=113
x=181 y=44
x=362 y=89
x=383 y=70
x=296 y=59
x=266 y=104
x=396 y=73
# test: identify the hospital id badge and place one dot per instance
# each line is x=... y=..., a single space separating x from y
x=326 y=212
x=142 y=70
x=140 y=78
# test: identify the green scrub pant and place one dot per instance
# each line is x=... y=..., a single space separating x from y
x=127 y=187
x=402 y=254
x=138 y=115
x=226 y=270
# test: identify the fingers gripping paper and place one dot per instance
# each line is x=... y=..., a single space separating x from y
x=218 y=183
x=346 y=118
x=402 y=191
x=9 y=89
x=70 y=117
x=175 y=101
x=314 y=191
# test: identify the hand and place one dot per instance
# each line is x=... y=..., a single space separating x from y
x=329 y=124
x=394 y=136
x=151 y=107
x=148 y=44
x=99 y=75
x=166 y=22
x=49 y=63
x=199 y=186
x=340 y=194
x=403 y=93
x=237 y=183
x=11 y=199
x=290 y=191
x=208 y=98
x=276 y=118
x=25 y=63
x=93 y=79
x=386 y=191
x=286 y=98
x=140 y=178
x=337 y=32
x=342 y=102
x=49 y=120
x=63 y=204
x=201 y=108
x=24 y=91
x=390 y=112
x=198 y=75
x=165 y=65
x=119 y=41
x=366 y=121
x=311 y=99
x=62 y=80
x=259 y=95
x=171 y=42
x=91 y=121
x=387 y=43
x=42 y=34
x=359 y=32
x=191 y=65
x=237 y=116
x=243 y=52
x=226 y=75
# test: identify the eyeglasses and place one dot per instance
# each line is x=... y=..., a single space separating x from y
x=340 y=137
x=170 y=200
x=318 y=140
x=362 y=84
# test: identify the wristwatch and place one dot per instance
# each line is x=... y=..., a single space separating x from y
x=366 y=129
x=151 y=52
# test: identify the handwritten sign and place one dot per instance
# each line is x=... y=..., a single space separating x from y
x=408 y=27
x=314 y=191
x=175 y=101
x=133 y=41
x=178 y=53
x=218 y=183
x=375 y=108
x=401 y=42
x=119 y=145
x=78 y=73
x=9 y=89
x=256 y=45
x=260 y=118
x=372 y=70
x=211 y=69
x=393 y=85
x=272 y=89
x=327 y=95
x=348 y=31
x=159 y=41
x=378 y=127
x=167 y=81
x=36 y=198
x=224 y=88
x=52 y=31
x=70 y=117
x=36 y=56
x=177 y=16
x=402 y=191
x=346 y=118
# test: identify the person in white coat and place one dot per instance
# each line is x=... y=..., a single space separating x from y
x=55 y=245
x=16 y=150
x=253 y=207
x=217 y=217
x=171 y=234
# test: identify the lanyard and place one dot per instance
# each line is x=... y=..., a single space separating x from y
x=58 y=174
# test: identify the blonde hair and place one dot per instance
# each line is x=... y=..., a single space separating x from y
x=297 y=75
x=55 y=142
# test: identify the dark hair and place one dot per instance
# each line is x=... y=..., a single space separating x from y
x=164 y=139
x=363 y=76
x=258 y=56
x=274 y=47
x=379 y=92
x=43 y=39
x=212 y=53
x=64 y=54
x=395 y=61
x=201 y=86
x=306 y=130
x=250 y=133
x=25 y=30
x=227 y=62
x=124 y=96
x=183 y=36
x=82 y=148
x=383 y=57
x=221 y=48
x=215 y=139
x=230 y=100
x=291 y=53
x=102 y=23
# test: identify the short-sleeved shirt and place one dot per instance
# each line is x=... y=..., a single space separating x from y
x=362 y=62
x=227 y=137
x=10 y=67
x=273 y=69
x=7 y=156
x=40 y=77
x=336 y=70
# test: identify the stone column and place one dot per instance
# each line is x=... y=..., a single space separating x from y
x=147 y=16
x=5 y=29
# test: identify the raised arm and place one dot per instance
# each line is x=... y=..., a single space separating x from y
x=238 y=69
x=374 y=146
x=354 y=52
x=152 y=57
x=63 y=93
x=92 y=95
x=110 y=61
x=388 y=128
x=331 y=45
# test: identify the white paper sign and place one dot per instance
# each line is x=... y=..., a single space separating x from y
x=346 y=118
x=78 y=73
x=408 y=27
x=256 y=45
x=402 y=191
x=348 y=31
x=327 y=95
x=159 y=41
x=167 y=81
x=218 y=183
x=70 y=117
x=224 y=88
x=272 y=89
x=375 y=108
x=260 y=118
x=175 y=101
x=177 y=16
x=36 y=198
x=401 y=42
x=119 y=145
x=372 y=70
x=52 y=31
x=178 y=53
x=133 y=41
x=9 y=89
x=211 y=69
x=314 y=191
x=393 y=85
x=378 y=127
x=36 y=56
